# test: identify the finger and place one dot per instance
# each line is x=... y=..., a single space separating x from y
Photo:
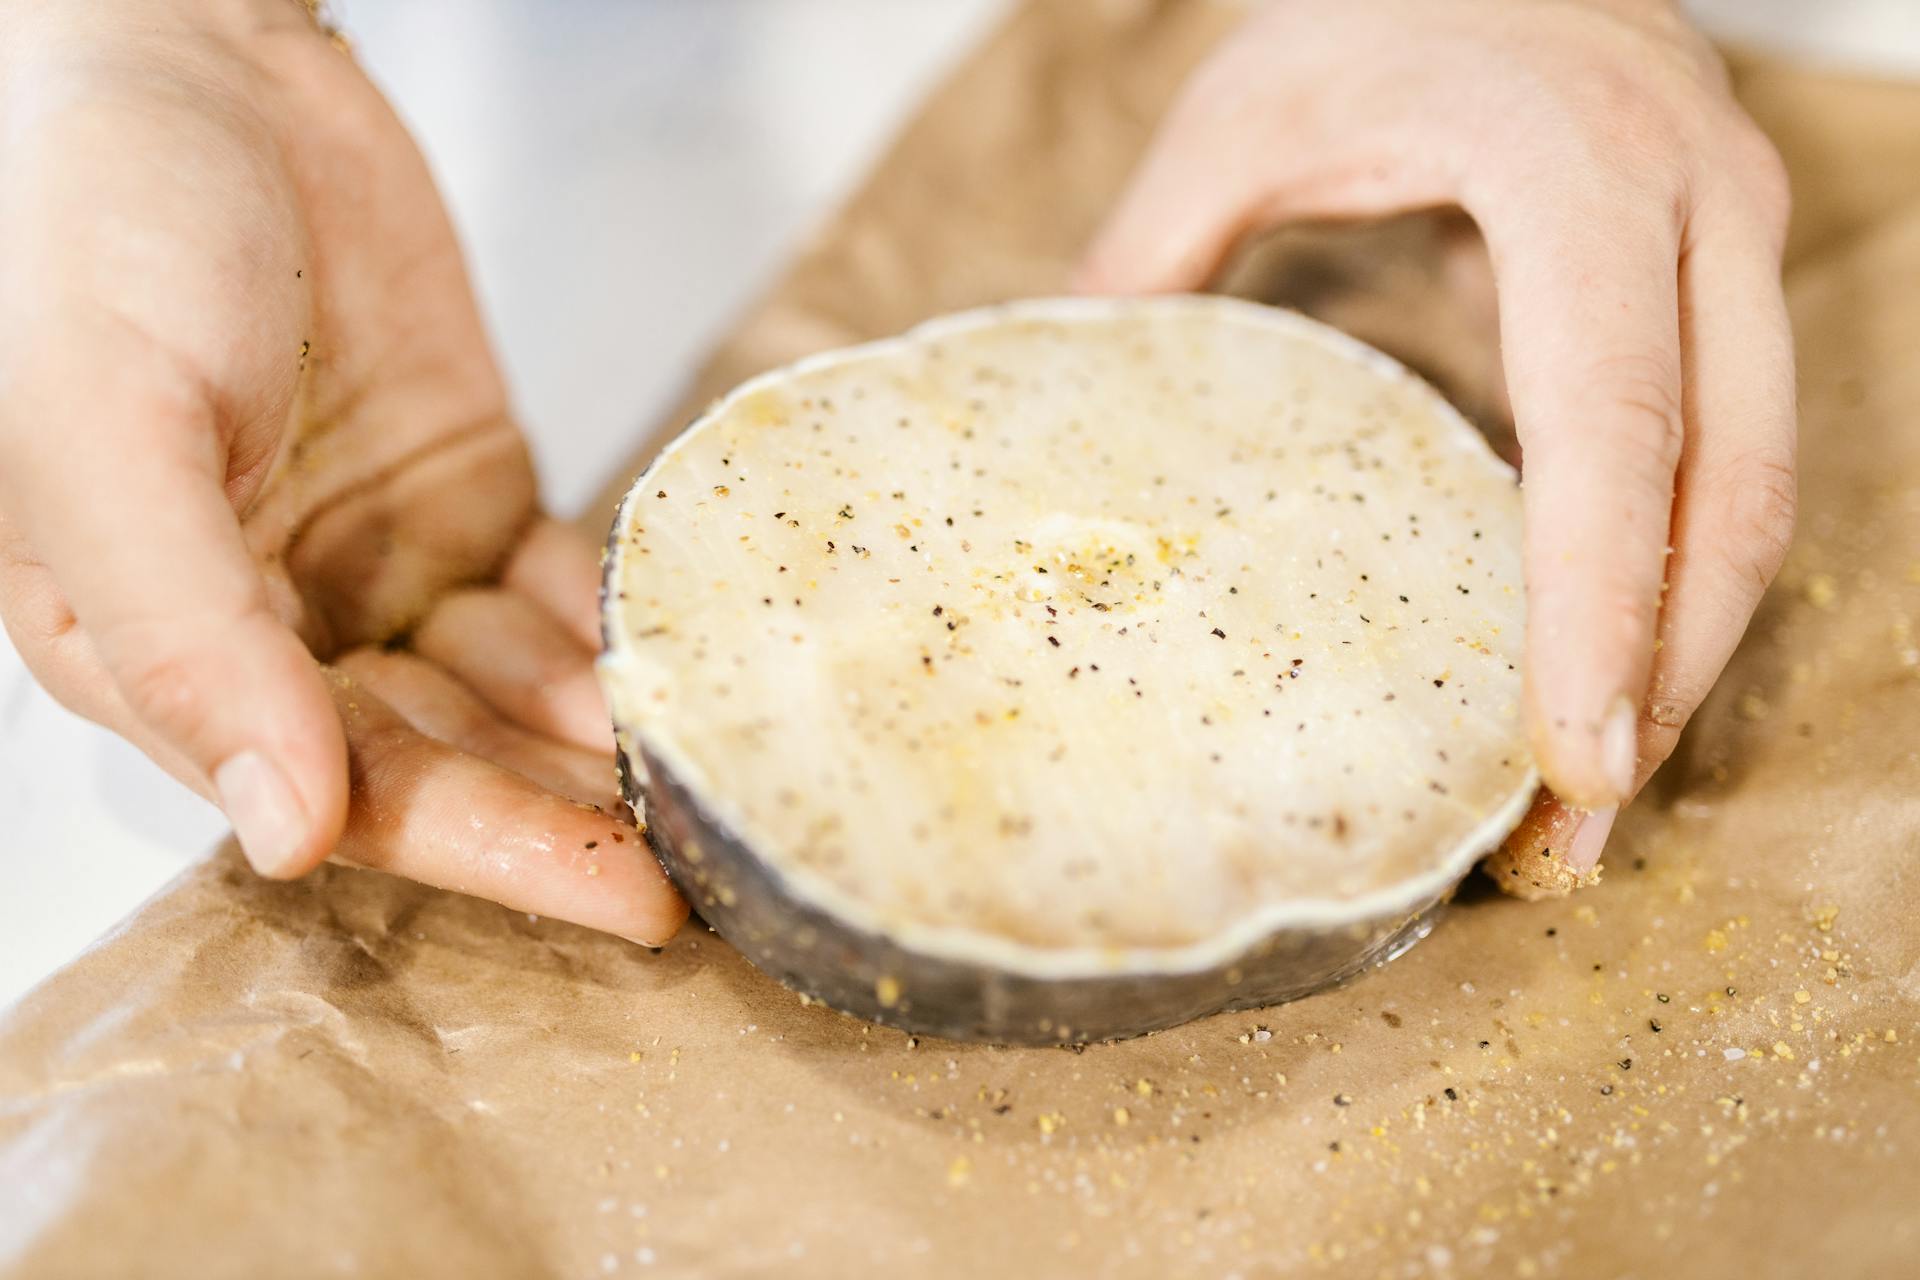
x=428 y=812
x=57 y=652
x=558 y=568
x=519 y=658
x=441 y=707
x=1590 y=338
x=1553 y=851
x=1193 y=196
x=1238 y=151
x=172 y=605
x=1734 y=516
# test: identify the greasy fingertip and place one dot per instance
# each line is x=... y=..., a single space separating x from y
x=430 y=813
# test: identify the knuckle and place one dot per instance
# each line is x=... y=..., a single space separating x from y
x=1756 y=180
x=1640 y=125
x=1630 y=613
x=165 y=688
x=382 y=752
x=1623 y=137
x=1669 y=707
x=1668 y=712
x=1761 y=500
x=1644 y=417
x=33 y=608
x=1608 y=610
x=1765 y=168
x=1660 y=730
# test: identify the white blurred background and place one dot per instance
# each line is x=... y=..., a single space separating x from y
x=627 y=174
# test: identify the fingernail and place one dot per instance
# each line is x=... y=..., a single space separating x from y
x=265 y=812
x=1589 y=839
x=1620 y=747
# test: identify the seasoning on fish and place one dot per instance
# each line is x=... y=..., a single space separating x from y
x=1074 y=668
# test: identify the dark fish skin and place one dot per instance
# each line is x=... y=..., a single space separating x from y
x=851 y=969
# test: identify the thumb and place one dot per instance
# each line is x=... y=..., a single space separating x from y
x=120 y=494
x=1220 y=169
x=1180 y=215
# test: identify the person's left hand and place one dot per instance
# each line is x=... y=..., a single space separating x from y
x=1635 y=219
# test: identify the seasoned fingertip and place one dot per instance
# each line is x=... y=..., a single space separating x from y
x=1535 y=861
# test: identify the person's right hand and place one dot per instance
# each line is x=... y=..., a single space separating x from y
x=249 y=422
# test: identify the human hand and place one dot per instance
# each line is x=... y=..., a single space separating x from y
x=251 y=424
x=1635 y=219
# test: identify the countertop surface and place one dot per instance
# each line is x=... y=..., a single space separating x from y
x=625 y=176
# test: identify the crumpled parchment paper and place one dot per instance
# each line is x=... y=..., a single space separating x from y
x=1708 y=1066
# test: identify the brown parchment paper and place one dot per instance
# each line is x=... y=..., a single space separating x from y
x=1708 y=1066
